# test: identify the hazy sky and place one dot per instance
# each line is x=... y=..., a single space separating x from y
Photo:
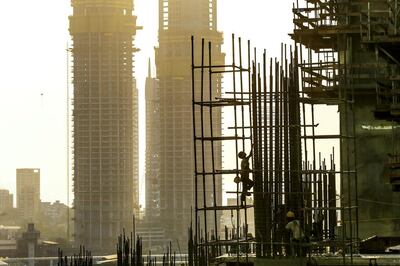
x=33 y=79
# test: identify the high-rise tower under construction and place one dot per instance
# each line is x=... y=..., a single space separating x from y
x=105 y=121
x=179 y=20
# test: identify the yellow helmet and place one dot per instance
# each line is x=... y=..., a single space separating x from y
x=290 y=214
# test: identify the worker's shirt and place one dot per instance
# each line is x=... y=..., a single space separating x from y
x=245 y=167
x=294 y=226
x=318 y=215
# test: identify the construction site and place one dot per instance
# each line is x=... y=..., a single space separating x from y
x=346 y=55
x=240 y=150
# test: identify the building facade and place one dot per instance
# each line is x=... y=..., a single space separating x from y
x=6 y=200
x=28 y=193
x=152 y=183
x=179 y=20
x=105 y=121
x=150 y=228
x=55 y=213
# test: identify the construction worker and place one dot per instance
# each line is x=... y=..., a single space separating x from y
x=244 y=175
x=297 y=234
x=317 y=225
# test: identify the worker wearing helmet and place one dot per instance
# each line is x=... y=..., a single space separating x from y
x=297 y=234
x=244 y=175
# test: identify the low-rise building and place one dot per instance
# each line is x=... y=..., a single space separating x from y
x=54 y=213
x=6 y=200
x=28 y=193
x=9 y=232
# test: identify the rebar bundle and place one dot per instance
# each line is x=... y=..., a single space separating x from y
x=130 y=253
x=83 y=258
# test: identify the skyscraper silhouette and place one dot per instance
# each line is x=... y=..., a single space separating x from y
x=105 y=121
x=179 y=20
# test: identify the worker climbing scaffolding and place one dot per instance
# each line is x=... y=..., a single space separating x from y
x=244 y=175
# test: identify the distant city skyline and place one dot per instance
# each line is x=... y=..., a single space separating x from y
x=33 y=105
